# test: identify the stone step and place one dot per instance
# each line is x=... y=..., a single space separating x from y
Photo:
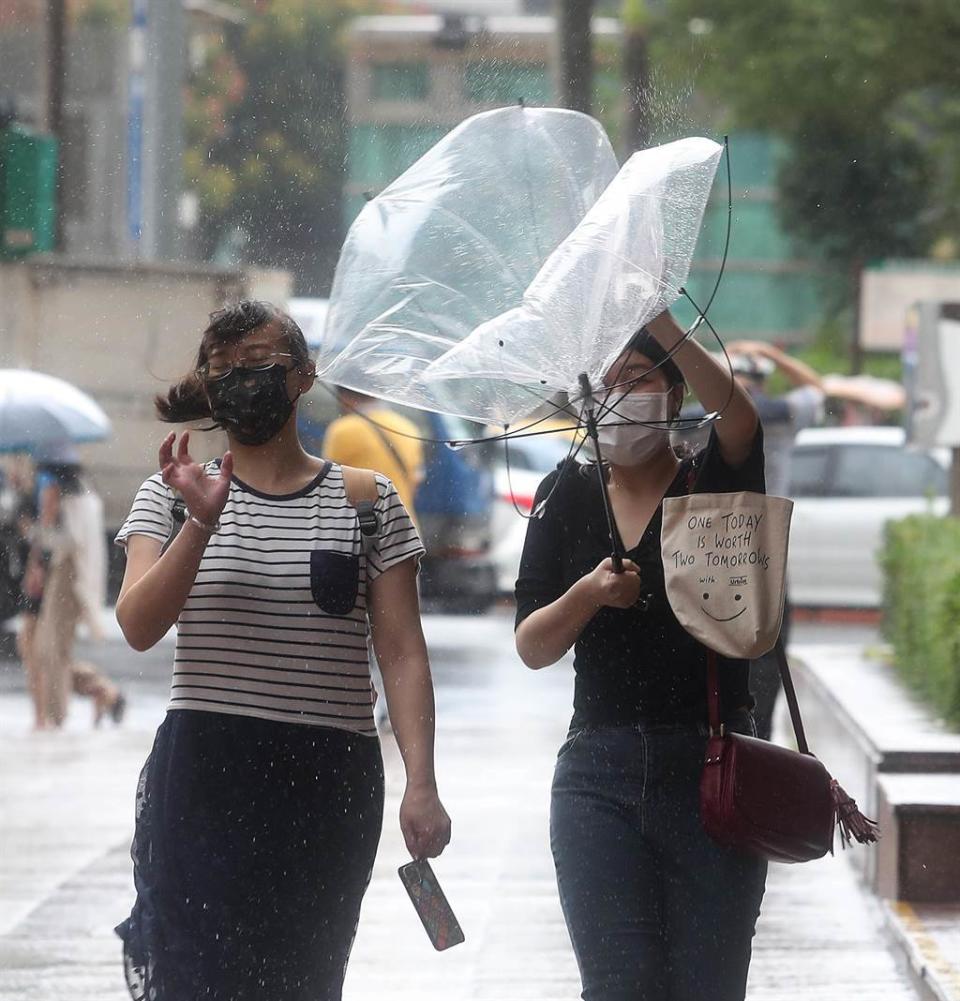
x=918 y=857
x=864 y=725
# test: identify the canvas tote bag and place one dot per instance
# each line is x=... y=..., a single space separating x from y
x=725 y=562
x=725 y=558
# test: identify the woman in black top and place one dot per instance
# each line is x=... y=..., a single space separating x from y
x=655 y=909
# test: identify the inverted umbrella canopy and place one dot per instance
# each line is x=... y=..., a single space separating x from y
x=454 y=242
x=510 y=259
x=38 y=411
x=624 y=264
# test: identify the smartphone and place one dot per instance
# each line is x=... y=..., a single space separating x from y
x=438 y=919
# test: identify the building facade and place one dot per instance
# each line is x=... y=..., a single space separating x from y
x=121 y=144
x=410 y=79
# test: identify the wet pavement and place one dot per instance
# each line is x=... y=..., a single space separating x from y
x=67 y=817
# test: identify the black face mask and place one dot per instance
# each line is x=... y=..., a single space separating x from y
x=251 y=404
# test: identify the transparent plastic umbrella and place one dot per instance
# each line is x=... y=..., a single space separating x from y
x=508 y=261
x=454 y=242
x=38 y=411
x=509 y=264
x=624 y=264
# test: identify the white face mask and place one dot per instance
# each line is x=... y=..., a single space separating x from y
x=625 y=438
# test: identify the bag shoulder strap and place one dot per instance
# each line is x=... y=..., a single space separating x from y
x=360 y=484
x=713 y=695
x=791 y=695
x=362 y=493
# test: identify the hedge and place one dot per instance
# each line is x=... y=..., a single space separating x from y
x=921 y=564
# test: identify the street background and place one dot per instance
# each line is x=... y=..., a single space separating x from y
x=161 y=158
x=65 y=873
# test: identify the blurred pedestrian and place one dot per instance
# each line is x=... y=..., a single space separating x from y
x=655 y=908
x=783 y=415
x=372 y=435
x=31 y=592
x=260 y=806
x=64 y=584
x=802 y=406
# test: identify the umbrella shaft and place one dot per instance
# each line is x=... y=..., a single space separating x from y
x=616 y=550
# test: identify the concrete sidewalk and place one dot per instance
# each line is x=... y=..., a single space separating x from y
x=65 y=874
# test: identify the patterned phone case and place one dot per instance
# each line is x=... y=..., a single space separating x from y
x=438 y=919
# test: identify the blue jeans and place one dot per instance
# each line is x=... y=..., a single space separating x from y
x=656 y=910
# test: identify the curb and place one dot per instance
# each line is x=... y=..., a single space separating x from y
x=936 y=977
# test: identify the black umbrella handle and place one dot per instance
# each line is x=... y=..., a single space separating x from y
x=616 y=547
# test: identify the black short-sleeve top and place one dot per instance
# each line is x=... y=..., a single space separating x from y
x=634 y=665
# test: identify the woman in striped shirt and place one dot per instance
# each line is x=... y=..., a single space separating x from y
x=260 y=806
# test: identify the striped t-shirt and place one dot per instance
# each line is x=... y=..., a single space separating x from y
x=275 y=625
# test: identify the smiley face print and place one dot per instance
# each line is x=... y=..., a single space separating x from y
x=724 y=604
x=724 y=563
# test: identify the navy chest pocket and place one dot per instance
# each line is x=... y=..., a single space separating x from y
x=334 y=580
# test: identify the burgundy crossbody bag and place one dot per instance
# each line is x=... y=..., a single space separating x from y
x=769 y=800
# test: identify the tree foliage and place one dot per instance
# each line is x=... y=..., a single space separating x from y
x=266 y=137
x=780 y=62
x=876 y=183
x=867 y=92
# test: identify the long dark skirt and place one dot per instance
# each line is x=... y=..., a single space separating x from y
x=254 y=845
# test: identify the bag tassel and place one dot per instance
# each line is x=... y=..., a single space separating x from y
x=852 y=823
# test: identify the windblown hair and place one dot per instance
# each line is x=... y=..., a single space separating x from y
x=187 y=400
x=644 y=342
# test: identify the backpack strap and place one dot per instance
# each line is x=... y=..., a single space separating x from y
x=362 y=493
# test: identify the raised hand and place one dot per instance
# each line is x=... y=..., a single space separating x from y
x=748 y=348
x=205 y=496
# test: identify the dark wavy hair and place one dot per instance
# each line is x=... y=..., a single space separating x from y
x=644 y=342
x=187 y=400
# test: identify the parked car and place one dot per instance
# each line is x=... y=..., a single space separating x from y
x=846 y=484
x=310 y=315
x=455 y=508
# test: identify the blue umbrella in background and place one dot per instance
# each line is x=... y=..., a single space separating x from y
x=39 y=411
